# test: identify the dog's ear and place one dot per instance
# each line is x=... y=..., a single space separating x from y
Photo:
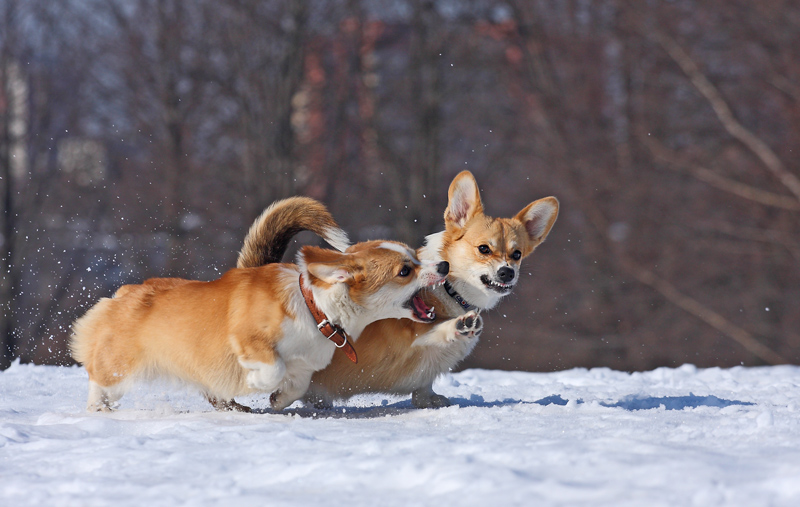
x=538 y=218
x=329 y=273
x=329 y=266
x=464 y=200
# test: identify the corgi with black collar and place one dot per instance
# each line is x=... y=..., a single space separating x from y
x=405 y=356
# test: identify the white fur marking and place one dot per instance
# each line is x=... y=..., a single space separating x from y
x=400 y=249
x=432 y=250
x=263 y=376
x=337 y=238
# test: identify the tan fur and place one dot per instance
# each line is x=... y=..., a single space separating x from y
x=400 y=356
x=384 y=362
x=186 y=329
x=229 y=336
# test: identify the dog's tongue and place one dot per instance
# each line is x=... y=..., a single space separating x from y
x=421 y=310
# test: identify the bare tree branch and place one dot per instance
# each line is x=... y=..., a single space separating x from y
x=563 y=154
x=752 y=234
x=724 y=113
x=785 y=86
x=672 y=294
x=706 y=175
x=699 y=310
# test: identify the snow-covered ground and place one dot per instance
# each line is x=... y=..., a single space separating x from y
x=682 y=436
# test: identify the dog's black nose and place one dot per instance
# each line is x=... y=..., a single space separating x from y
x=443 y=268
x=505 y=274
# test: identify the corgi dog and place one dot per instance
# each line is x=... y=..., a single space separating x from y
x=404 y=356
x=260 y=329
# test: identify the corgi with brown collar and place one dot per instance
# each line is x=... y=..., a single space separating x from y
x=403 y=356
x=260 y=329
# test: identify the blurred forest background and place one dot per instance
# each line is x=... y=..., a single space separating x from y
x=140 y=138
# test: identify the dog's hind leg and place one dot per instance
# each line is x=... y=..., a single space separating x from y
x=103 y=399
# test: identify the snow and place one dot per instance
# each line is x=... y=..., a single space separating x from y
x=683 y=436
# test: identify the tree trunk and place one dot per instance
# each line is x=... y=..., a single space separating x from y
x=10 y=279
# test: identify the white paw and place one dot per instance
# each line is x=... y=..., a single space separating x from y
x=469 y=325
x=294 y=386
x=280 y=400
x=277 y=401
x=265 y=377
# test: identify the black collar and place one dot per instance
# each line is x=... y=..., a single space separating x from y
x=455 y=295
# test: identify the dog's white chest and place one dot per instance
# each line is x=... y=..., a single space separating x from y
x=304 y=342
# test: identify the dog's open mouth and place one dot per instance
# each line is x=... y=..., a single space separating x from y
x=420 y=310
x=502 y=288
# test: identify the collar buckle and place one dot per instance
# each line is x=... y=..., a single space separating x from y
x=344 y=342
x=336 y=330
x=323 y=321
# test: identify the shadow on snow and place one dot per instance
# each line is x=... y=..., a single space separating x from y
x=631 y=403
x=638 y=402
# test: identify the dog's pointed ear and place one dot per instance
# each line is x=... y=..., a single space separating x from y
x=329 y=273
x=327 y=265
x=464 y=200
x=538 y=218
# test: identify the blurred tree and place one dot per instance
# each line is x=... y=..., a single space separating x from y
x=36 y=113
x=10 y=81
x=157 y=129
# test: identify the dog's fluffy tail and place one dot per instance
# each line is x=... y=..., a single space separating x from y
x=83 y=341
x=268 y=237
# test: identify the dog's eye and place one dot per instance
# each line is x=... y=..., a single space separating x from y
x=484 y=249
x=405 y=271
x=516 y=255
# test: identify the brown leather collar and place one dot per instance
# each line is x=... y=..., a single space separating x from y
x=331 y=331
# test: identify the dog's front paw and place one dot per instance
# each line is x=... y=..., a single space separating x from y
x=274 y=399
x=280 y=400
x=264 y=376
x=260 y=382
x=469 y=325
